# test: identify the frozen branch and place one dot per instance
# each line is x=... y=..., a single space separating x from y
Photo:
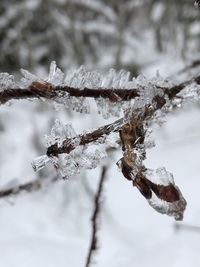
x=48 y=91
x=70 y=152
x=68 y=145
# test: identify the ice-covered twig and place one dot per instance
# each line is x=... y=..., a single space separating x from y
x=47 y=91
x=69 y=152
x=161 y=193
x=114 y=86
x=69 y=145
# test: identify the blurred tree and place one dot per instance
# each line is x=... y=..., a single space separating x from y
x=32 y=33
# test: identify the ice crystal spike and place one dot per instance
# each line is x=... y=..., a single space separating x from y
x=59 y=133
x=107 y=81
x=77 y=78
x=6 y=81
x=28 y=78
x=40 y=162
x=56 y=76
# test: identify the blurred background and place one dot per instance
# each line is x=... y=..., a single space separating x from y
x=51 y=227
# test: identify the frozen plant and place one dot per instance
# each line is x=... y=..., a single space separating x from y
x=137 y=102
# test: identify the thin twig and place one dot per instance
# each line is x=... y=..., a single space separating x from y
x=186 y=227
x=42 y=90
x=69 y=144
x=95 y=217
x=26 y=187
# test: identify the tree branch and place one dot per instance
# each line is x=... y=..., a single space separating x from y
x=159 y=101
x=26 y=187
x=48 y=91
x=95 y=217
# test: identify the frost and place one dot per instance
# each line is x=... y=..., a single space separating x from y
x=149 y=141
x=175 y=209
x=81 y=78
x=191 y=92
x=114 y=79
x=107 y=108
x=91 y=156
x=160 y=176
x=80 y=104
x=40 y=162
x=59 y=133
x=27 y=79
x=77 y=78
x=6 y=81
x=81 y=157
x=56 y=76
x=148 y=89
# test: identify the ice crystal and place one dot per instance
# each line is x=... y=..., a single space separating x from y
x=59 y=133
x=56 y=76
x=149 y=141
x=6 y=81
x=160 y=176
x=191 y=92
x=27 y=79
x=107 y=108
x=148 y=89
x=115 y=79
x=82 y=78
x=40 y=162
x=176 y=208
x=81 y=157
x=68 y=165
